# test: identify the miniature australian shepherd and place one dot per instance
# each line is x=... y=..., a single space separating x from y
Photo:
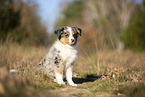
x=60 y=59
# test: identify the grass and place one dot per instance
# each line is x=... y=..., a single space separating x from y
x=98 y=73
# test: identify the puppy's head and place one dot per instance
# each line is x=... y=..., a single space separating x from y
x=68 y=35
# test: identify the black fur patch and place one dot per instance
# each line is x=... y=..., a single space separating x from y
x=58 y=32
x=57 y=61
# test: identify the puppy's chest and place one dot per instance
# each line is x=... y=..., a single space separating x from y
x=68 y=54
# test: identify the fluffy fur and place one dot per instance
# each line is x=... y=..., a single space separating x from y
x=62 y=55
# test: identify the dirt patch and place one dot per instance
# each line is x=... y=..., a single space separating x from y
x=71 y=92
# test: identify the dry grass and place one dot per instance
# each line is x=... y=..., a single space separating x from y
x=98 y=73
x=26 y=81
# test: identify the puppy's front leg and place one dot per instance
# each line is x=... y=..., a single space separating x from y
x=58 y=68
x=69 y=76
x=59 y=78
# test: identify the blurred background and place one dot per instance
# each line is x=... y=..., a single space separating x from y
x=113 y=24
x=111 y=58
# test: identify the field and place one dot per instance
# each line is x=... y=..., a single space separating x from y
x=98 y=73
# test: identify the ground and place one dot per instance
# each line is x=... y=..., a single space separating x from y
x=98 y=73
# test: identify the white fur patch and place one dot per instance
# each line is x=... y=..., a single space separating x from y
x=59 y=78
x=69 y=77
x=71 y=35
x=67 y=52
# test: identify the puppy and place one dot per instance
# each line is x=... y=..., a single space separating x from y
x=59 y=61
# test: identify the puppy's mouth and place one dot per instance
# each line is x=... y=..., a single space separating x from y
x=72 y=43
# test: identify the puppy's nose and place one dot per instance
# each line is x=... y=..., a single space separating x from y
x=72 y=40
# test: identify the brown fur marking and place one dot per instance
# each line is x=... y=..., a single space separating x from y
x=64 y=40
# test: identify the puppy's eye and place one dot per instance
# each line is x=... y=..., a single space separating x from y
x=66 y=35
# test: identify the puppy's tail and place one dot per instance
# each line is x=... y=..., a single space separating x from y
x=13 y=70
x=39 y=66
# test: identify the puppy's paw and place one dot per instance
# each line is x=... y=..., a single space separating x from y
x=73 y=84
x=61 y=83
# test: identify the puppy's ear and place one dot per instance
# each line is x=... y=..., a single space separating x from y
x=79 y=31
x=59 y=32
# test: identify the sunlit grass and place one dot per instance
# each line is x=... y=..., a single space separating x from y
x=97 y=73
